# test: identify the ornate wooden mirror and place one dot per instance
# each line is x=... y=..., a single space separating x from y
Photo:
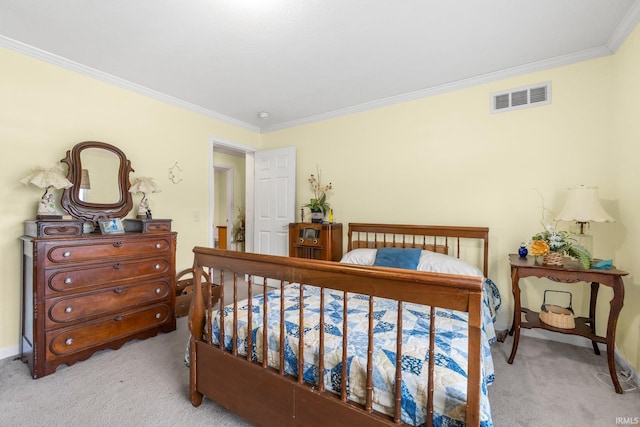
x=100 y=176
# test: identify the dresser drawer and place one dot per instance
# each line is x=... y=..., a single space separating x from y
x=61 y=342
x=57 y=228
x=111 y=274
x=147 y=225
x=61 y=311
x=98 y=249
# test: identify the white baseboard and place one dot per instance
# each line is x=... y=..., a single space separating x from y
x=573 y=340
x=10 y=351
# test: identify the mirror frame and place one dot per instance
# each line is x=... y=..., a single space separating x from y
x=95 y=211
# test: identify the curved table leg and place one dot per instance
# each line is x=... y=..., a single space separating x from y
x=616 y=306
x=517 y=313
x=592 y=313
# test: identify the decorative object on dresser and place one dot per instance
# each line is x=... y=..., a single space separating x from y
x=583 y=207
x=88 y=292
x=47 y=178
x=144 y=185
x=111 y=226
x=315 y=241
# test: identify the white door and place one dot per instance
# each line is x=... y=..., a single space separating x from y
x=275 y=188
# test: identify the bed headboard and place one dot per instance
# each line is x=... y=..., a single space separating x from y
x=468 y=243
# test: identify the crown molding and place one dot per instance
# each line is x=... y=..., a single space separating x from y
x=116 y=81
x=449 y=87
x=625 y=28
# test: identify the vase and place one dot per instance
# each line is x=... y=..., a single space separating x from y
x=316 y=216
x=553 y=258
x=522 y=251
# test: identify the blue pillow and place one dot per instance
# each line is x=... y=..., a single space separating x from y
x=398 y=258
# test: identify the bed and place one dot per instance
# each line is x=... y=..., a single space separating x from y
x=343 y=366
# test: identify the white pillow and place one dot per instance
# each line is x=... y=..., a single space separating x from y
x=360 y=256
x=441 y=263
x=429 y=261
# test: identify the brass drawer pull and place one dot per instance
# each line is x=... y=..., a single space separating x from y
x=69 y=341
x=118 y=290
x=66 y=254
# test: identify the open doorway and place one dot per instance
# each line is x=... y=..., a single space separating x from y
x=230 y=195
x=224 y=203
x=266 y=232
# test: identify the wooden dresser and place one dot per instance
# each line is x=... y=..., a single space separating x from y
x=85 y=293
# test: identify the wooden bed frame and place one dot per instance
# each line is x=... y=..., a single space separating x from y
x=266 y=396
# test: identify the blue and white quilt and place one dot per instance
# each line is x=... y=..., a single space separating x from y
x=451 y=341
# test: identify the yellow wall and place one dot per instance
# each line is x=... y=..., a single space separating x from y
x=447 y=160
x=45 y=110
x=444 y=159
x=624 y=146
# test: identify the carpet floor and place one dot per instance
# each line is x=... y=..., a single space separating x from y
x=145 y=383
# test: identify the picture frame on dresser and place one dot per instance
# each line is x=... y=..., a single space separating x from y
x=111 y=226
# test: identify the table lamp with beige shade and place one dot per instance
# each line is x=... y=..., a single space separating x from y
x=144 y=185
x=47 y=178
x=583 y=207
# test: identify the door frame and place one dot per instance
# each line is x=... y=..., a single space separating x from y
x=220 y=144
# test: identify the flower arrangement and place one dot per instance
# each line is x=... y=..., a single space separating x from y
x=560 y=241
x=319 y=201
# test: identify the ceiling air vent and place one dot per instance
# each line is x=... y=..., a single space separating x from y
x=522 y=97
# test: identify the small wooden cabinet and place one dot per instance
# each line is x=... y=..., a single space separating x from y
x=315 y=241
x=222 y=237
x=89 y=292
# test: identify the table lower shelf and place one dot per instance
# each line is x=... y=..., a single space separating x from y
x=583 y=326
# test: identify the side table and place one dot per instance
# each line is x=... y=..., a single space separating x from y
x=570 y=272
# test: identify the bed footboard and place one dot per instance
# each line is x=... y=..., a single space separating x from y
x=260 y=386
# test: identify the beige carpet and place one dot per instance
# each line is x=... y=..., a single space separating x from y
x=557 y=384
x=145 y=383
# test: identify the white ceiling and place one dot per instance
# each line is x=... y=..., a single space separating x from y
x=305 y=60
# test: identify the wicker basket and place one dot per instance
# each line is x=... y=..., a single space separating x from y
x=557 y=316
x=553 y=258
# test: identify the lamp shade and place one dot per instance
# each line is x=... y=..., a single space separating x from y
x=45 y=178
x=583 y=205
x=144 y=185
